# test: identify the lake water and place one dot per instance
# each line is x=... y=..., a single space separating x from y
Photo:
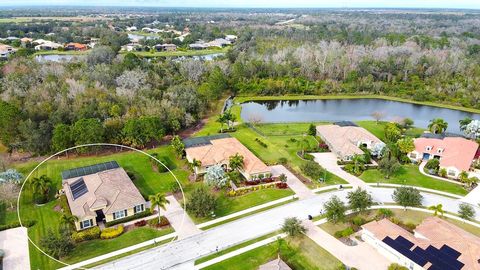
x=350 y=110
x=57 y=57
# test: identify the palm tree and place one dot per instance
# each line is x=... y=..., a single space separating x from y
x=229 y=118
x=159 y=201
x=437 y=209
x=463 y=177
x=235 y=162
x=68 y=221
x=303 y=144
x=222 y=120
x=358 y=164
x=437 y=125
x=195 y=164
x=41 y=185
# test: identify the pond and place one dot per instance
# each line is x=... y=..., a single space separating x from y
x=57 y=57
x=350 y=110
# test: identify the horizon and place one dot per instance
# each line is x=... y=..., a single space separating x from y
x=261 y=4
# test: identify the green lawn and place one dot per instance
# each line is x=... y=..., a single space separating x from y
x=409 y=175
x=7 y=217
x=285 y=129
x=378 y=129
x=409 y=216
x=300 y=253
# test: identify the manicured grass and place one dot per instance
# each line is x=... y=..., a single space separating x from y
x=94 y=248
x=300 y=253
x=409 y=175
x=409 y=216
x=242 y=99
x=7 y=216
x=181 y=53
x=285 y=129
x=378 y=129
x=148 y=182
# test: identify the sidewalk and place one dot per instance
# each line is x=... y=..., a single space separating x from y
x=293 y=182
x=422 y=165
x=363 y=256
x=15 y=244
x=179 y=219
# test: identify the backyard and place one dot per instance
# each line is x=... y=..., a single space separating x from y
x=410 y=175
x=299 y=253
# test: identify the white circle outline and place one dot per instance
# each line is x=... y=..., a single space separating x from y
x=88 y=145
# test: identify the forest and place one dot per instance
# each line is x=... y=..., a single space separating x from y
x=123 y=98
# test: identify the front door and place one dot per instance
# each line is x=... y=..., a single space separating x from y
x=426 y=156
x=100 y=216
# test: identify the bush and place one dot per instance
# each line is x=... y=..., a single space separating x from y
x=282 y=185
x=88 y=234
x=358 y=221
x=344 y=233
x=154 y=222
x=143 y=214
x=384 y=213
x=432 y=164
x=308 y=156
x=26 y=223
x=396 y=266
x=282 y=160
x=261 y=142
x=410 y=226
x=110 y=233
x=312 y=169
x=140 y=223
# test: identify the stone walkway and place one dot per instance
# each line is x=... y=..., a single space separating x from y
x=179 y=219
x=293 y=182
x=15 y=244
x=363 y=256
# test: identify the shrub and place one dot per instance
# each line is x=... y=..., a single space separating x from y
x=308 y=156
x=261 y=143
x=155 y=223
x=143 y=214
x=282 y=160
x=410 y=226
x=282 y=185
x=396 y=266
x=25 y=223
x=384 y=213
x=88 y=234
x=432 y=164
x=344 y=233
x=312 y=169
x=442 y=172
x=110 y=233
x=140 y=223
x=358 y=221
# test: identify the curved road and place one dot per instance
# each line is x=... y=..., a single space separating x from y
x=182 y=253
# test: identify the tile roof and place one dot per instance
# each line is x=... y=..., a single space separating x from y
x=218 y=151
x=457 y=152
x=435 y=232
x=111 y=190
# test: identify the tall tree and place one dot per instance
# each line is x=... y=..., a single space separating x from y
x=41 y=186
x=293 y=227
x=201 y=202
x=388 y=165
x=407 y=197
x=62 y=137
x=359 y=200
x=68 y=221
x=10 y=117
x=437 y=209
x=158 y=201
x=466 y=211
x=464 y=122
x=87 y=131
x=335 y=209
x=178 y=145
x=235 y=162
x=392 y=132
x=437 y=125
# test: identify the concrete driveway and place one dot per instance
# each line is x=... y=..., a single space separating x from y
x=329 y=162
x=15 y=244
x=293 y=182
x=179 y=219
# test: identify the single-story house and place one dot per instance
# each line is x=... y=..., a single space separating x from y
x=166 y=47
x=48 y=45
x=455 y=154
x=277 y=264
x=131 y=28
x=101 y=192
x=217 y=150
x=345 y=139
x=76 y=46
x=6 y=50
x=435 y=244
x=134 y=46
x=231 y=38
x=26 y=40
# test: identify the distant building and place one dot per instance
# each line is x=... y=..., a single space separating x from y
x=26 y=40
x=6 y=51
x=166 y=47
x=47 y=46
x=134 y=46
x=435 y=244
x=277 y=264
x=345 y=139
x=131 y=28
x=75 y=46
x=101 y=192
x=455 y=154
x=231 y=38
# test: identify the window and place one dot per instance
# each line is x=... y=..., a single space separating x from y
x=428 y=148
x=451 y=172
x=138 y=208
x=440 y=150
x=119 y=214
x=413 y=155
x=86 y=224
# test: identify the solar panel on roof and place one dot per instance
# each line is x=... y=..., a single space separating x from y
x=404 y=242
x=450 y=251
x=82 y=171
x=78 y=188
x=205 y=140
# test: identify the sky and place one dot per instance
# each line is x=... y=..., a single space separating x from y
x=469 y=4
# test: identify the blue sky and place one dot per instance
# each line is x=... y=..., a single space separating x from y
x=472 y=4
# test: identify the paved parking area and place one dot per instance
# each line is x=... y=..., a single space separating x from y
x=15 y=244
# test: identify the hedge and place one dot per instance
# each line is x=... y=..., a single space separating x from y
x=344 y=233
x=88 y=234
x=145 y=213
x=110 y=233
x=26 y=223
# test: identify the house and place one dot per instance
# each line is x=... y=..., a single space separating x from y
x=345 y=139
x=435 y=244
x=456 y=154
x=6 y=51
x=134 y=46
x=197 y=46
x=218 y=42
x=131 y=28
x=217 y=149
x=47 y=46
x=101 y=192
x=277 y=264
x=26 y=40
x=231 y=38
x=166 y=47
x=75 y=46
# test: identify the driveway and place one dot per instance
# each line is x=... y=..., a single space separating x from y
x=362 y=256
x=293 y=182
x=179 y=219
x=15 y=244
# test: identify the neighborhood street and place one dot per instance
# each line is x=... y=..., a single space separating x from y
x=183 y=252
